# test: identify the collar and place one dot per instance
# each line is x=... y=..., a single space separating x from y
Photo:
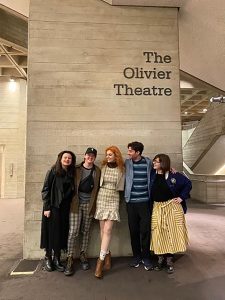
x=166 y=174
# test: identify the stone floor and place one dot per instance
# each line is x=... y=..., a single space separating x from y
x=199 y=275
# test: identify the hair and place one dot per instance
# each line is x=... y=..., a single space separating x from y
x=136 y=146
x=164 y=162
x=58 y=166
x=118 y=157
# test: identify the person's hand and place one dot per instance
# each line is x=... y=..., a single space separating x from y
x=47 y=213
x=174 y=171
x=177 y=200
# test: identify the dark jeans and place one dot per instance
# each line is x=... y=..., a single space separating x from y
x=139 y=221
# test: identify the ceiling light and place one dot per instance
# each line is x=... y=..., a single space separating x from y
x=12 y=85
x=204 y=110
x=186 y=85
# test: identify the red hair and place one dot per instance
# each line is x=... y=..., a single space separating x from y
x=118 y=157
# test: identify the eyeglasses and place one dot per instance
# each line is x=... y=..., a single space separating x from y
x=156 y=162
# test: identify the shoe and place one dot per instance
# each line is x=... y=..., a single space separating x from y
x=69 y=266
x=135 y=263
x=147 y=264
x=169 y=269
x=99 y=268
x=161 y=263
x=84 y=262
x=57 y=264
x=169 y=265
x=48 y=264
x=108 y=263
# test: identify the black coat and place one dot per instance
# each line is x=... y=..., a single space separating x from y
x=52 y=191
x=57 y=193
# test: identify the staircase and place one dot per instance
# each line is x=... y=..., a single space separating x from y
x=210 y=128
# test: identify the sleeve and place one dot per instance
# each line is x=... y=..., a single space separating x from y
x=46 y=190
x=185 y=187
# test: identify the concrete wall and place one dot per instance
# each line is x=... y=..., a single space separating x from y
x=77 y=52
x=186 y=134
x=208 y=189
x=214 y=160
x=202 y=40
x=12 y=138
x=164 y=3
x=210 y=128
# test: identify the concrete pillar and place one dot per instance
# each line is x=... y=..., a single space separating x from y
x=79 y=51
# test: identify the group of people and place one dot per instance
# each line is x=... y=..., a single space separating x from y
x=155 y=198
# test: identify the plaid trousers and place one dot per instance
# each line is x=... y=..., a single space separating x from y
x=80 y=224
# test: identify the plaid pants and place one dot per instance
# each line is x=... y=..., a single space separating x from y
x=79 y=223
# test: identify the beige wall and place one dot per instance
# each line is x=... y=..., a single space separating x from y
x=202 y=40
x=211 y=127
x=214 y=159
x=208 y=189
x=77 y=52
x=12 y=138
x=164 y=3
x=186 y=134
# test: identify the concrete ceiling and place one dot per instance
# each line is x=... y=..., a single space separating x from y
x=195 y=97
x=13 y=43
x=194 y=93
x=19 y=6
x=13 y=62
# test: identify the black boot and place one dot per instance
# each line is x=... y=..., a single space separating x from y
x=169 y=265
x=84 y=261
x=69 y=266
x=57 y=264
x=161 y=263
x=48 y=264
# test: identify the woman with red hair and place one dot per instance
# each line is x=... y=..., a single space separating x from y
x=107 y=210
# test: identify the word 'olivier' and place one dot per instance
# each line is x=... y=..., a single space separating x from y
x=149 y=74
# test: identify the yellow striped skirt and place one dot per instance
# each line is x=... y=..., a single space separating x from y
x=169 y=231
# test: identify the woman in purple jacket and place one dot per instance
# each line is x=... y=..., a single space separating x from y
x=168 y=194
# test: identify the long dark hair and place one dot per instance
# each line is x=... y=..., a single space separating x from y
x=164 y=162
x=58 y=166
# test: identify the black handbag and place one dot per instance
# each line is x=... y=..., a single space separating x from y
x=87 y=184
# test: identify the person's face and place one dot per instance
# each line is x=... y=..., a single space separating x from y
x=110 y=156
x=133 y=154
x=156 y=164
x=66 y=160
x=89 y=158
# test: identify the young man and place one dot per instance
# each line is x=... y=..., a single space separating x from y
x=83 y=208
x=137 y=196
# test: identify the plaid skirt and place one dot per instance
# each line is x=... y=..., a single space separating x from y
x=107 y=207
x=169 y=231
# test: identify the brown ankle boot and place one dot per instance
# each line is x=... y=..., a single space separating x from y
x=99 y=268
x=107 y=265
